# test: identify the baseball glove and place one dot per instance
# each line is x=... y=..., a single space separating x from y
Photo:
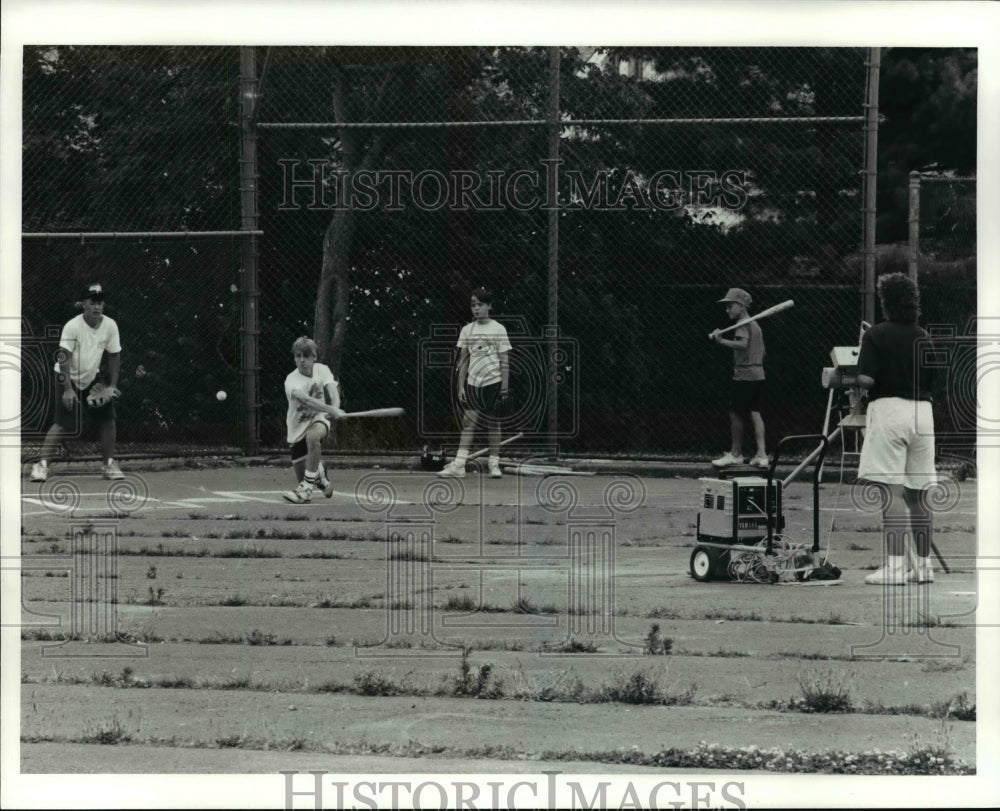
x=101 y=395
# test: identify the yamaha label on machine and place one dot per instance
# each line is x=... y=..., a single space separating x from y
x=735 y=511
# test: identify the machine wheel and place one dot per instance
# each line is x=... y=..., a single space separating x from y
x=702 y=564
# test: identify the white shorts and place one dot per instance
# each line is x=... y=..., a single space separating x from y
x=898 y=447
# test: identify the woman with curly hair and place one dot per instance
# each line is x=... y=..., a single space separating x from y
x=898 y=451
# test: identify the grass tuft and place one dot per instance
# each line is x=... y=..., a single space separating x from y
x=638 y=687
x=824 y=692
x=460 y=603
x=376 y=683
x=654 y=644
x=573 y=645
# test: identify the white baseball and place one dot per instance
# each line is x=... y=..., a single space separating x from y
x=220 y=396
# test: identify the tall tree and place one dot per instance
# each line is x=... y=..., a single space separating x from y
x=371 y=85
x=927 y=98
x=156 y=156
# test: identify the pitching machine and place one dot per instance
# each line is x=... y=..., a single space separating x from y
x=843 y=402
x=740 y=525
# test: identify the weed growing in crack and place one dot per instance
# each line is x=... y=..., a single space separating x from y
x=654 y=644
x=638 y=687
x=112 y=730
x=461 y=602
x=479 y=684
x=824 y=692
x=376 y=683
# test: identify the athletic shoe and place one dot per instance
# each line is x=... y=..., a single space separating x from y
x=887 y=576
x=325 y=484
x=453 y=470
x=726 y=460
x=761 y=462
x=112 y=471
x=39 y=472
x=495 y=472
x=923 y=574
x=300 y=495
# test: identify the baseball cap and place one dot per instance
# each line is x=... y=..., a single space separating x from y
x=94 y=291
x=735 y=294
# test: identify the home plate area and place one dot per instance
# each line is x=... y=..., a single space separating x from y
x=572 y=595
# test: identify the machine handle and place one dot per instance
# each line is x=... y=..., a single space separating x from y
x=785 y=440
x=769 y=502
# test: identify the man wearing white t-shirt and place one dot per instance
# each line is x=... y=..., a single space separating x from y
x=84 y=341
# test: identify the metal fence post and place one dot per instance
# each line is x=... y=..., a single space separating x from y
x=552 y=388
x=870 y=175
x=249 y=219
x=914 y=223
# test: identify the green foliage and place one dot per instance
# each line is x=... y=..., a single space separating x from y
x=112 y=730
x=825 y=692
x=461 y=602
x=654 y=644
x=576 y=646
x=372 y=284
x=637 y=687
x=920 y=760
x=475 y=684
x=154 y=158
x=258 y=637
x=377 y=683
x=959 y=708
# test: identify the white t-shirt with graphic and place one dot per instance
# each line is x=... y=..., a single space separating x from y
x=86 y=345
x=485 y=342
x=300 y=416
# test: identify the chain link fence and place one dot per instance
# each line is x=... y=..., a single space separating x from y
x=178 y=313
x=679 y=173
x=942 y=257
x=942 y=221
x=390 y=182
x=135 y=188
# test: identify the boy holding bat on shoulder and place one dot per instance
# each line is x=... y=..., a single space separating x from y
x=747 y=384
x=313 y=397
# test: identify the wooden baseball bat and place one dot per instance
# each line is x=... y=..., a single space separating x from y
x=777 y=308
x=376 y=412
x=319 y=405
x=545 y=470
x=506 y=441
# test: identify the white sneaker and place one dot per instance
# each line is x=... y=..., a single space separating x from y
x=923 y=574
x=495 y=472
x=112 y=471
x=300 y=495
x=726 y=460
x=761 y=462
x=887 y=576
x=453 y=470
x=39 y=472
x=324 y=483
